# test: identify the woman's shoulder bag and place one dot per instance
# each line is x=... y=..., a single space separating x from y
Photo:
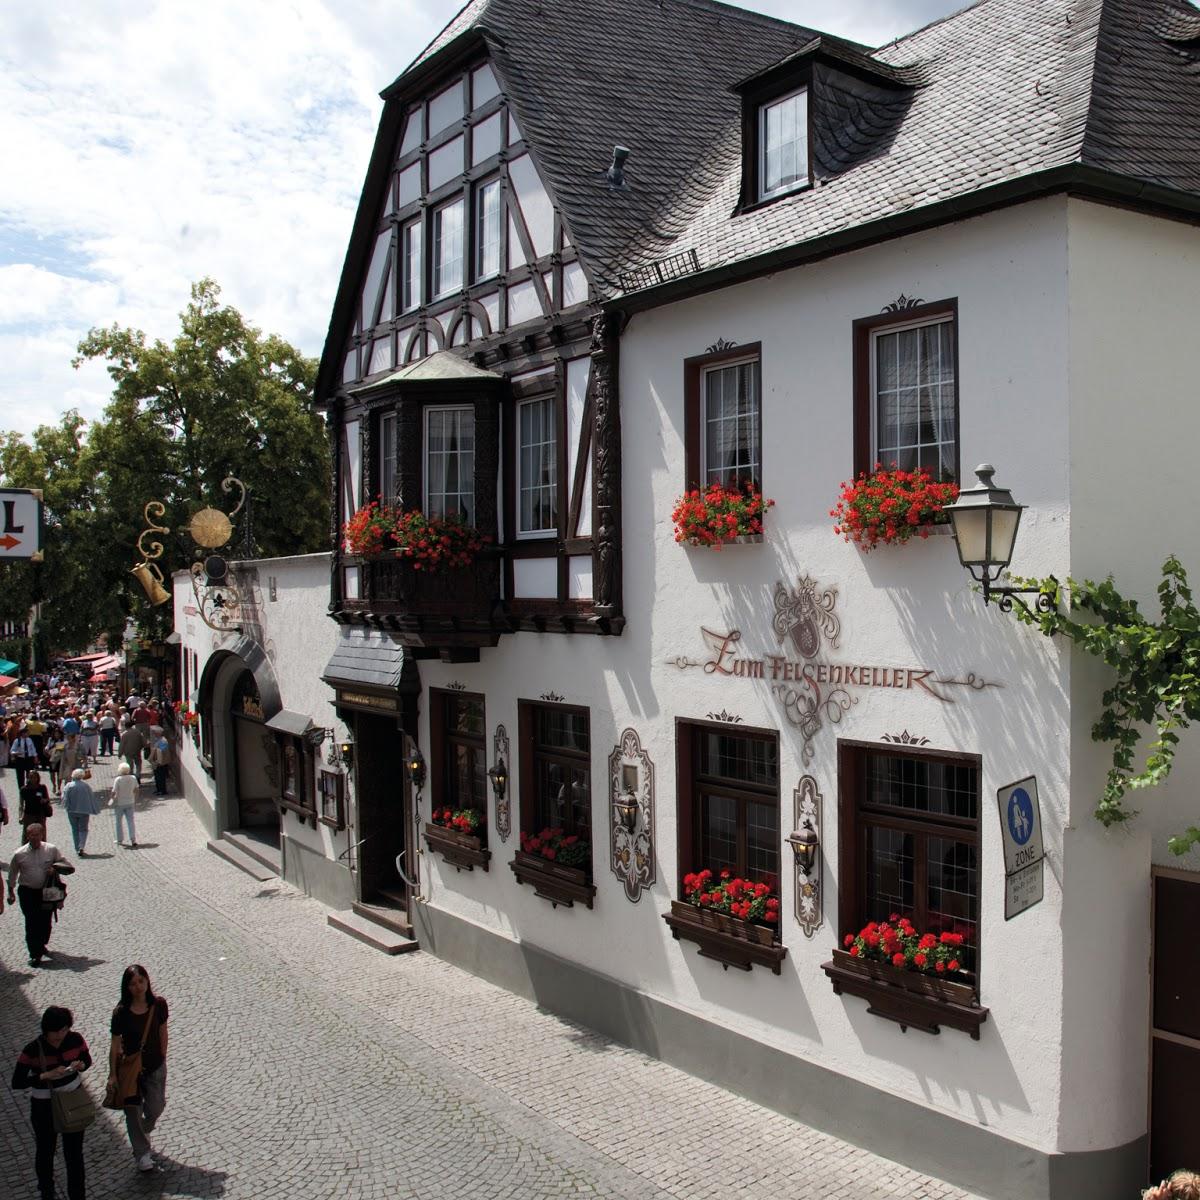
x=73 y=1109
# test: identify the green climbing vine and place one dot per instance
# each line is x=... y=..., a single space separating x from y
x=1158 y=676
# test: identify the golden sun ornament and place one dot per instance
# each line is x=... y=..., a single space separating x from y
x=210 y=528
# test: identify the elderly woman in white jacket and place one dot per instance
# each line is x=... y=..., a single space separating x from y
x=124 y=793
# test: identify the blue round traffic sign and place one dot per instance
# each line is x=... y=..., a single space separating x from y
x=1020 y=816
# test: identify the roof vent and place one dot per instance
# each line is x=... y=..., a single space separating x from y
x=616 y=173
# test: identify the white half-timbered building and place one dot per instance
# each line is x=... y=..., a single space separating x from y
x=610 y=252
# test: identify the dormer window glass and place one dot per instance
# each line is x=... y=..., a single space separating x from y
x=410 y=266
x=783 y=145
x=448 y=248
x=446 y=108
x=450 y=463
x=487 y=229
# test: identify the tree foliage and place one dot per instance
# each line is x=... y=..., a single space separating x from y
x=1157 y=683
x=220 y=399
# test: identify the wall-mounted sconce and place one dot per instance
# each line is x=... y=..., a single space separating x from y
x=498 y=774
x=625 y=803
x=804 y=845
x=984 y=520
x=345 y=749
x=414 y=764
x=631 y=820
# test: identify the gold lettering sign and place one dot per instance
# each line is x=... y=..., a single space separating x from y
x=385 y=702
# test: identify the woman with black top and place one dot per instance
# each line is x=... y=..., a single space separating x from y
x=53 y=1062
x=36 y=808
x=139 y=1022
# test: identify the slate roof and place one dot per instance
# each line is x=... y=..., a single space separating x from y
x=370 y=658
x=978 y=104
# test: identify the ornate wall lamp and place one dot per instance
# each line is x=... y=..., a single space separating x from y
x=805 y=841
x=631 y=815
x=498 y=774
x=499 y=777
x=414 y=764
x=985 y=519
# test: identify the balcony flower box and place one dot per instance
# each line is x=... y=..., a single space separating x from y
x=907 y=977
x=887 y=508
x=559 y=885
x=425 y=543
x=720 y=516
x=728 y=940
x=454 y=836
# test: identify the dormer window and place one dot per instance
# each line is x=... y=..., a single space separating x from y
x=783 y=145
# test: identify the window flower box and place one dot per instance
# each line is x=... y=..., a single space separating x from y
x=728 y=940
x=425 y=543
x=887 y=508
x=720 y=516
x=550 y=881
x=908 y=997
x=465 y=851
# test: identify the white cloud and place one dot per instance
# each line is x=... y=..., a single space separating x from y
x=150 y=143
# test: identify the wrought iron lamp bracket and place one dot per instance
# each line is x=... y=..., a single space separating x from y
x=1008 y=598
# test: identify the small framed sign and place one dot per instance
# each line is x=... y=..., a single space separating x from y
x=331 y=799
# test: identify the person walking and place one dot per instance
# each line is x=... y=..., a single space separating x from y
x=23 y=755
x=160 y=759
x=130 y=747
x=124 y=793
x=80 y=804
x=27 y=874
x=35 y=804
x=3 y=817
x=139 y=1023
x=108 y=733
x=53 y=1062
x=89 y=738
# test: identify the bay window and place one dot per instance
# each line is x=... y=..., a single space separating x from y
x=537 y=466
x=450 y=462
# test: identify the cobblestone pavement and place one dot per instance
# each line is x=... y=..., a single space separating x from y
x=305 y=1065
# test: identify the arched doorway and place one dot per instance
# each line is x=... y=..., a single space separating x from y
x=256 y=760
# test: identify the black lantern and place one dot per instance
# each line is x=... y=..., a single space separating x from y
x=984 y=520
x=626 y=808
x=804 y=843
x=498 y=774
x=415 y=765
x=346 y=751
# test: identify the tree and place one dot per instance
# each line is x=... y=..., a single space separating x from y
x=221 y=399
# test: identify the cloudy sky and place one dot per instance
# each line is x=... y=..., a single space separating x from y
x=151 y=142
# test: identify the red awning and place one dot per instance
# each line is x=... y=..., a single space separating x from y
x=7 y=681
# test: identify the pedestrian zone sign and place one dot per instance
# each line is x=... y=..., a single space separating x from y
x=21 y=523
x=1020 y=824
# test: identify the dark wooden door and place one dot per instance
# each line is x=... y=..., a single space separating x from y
x=382 y=827
x=1175 y=1034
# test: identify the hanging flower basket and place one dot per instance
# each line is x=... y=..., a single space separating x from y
x=718 y=516
x=889 y=507
x=426 y=543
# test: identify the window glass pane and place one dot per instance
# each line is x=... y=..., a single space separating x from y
x=783 y=153
x=744 y=759
x=450 y=463
x=514 y=134
x=410 y=266
x=485 y=139
x=953 y=872
x=762 y=844
x=487 y=230
x=483 y=85
x=387 y=457
x=410 y=184
x=446 y=108
x=732 y=434
x=538 y=466
x=914 y=399
x=381 y=355
x=448 y=248
x=919 y=785
x=890 y=865
x=718 y=832
x=534 y=203
x=464 y=716
x=523 y=303
x=446 y=163
x=563 y=730
x=575 y=290
x=414 y=123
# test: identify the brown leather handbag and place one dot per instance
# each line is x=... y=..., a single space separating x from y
x=123 y=1089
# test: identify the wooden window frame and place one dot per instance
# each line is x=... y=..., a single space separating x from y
x=769 y=88
x=688 y=815
x=763 y=196
x=852 y=846
x=694 y=413
x=530 y=755
x=440 y=741
x=448 y=406
x=338 y=820
x=303 y=802
x=550 y=398
x=865 y=329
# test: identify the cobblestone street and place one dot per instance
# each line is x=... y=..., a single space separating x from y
x=305 y=1065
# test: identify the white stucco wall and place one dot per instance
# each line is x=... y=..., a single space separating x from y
x=908 y=607
x=299 y=638
x=1134 y=364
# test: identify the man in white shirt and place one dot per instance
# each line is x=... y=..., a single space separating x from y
x=26 y=877
x=23 y=756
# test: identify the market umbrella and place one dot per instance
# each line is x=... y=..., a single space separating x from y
x=8 y=667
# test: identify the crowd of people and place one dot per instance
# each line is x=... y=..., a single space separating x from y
x=50 y=738
x=53 y=735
